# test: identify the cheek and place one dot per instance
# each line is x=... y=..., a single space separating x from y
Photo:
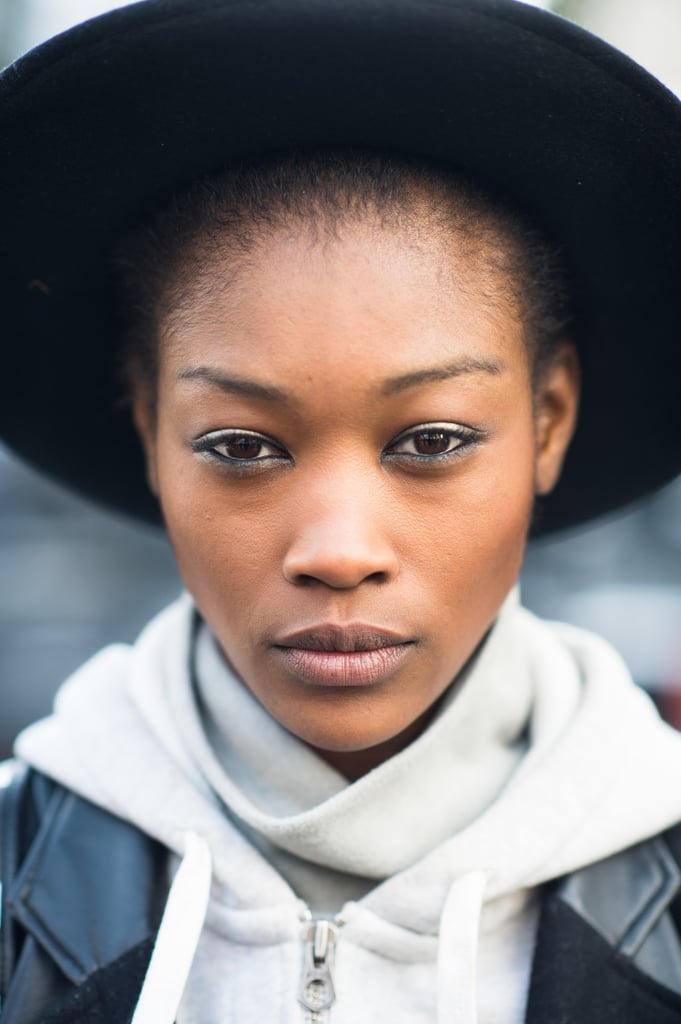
x=217 y=557
x=222 y=554
x=486 y=508
x=476 y=556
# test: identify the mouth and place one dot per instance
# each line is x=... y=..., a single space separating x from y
x=357 y=655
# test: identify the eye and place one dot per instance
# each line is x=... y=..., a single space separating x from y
x=242 y=447
x=432 y=441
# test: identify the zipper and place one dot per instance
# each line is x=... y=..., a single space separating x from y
x=316 y=992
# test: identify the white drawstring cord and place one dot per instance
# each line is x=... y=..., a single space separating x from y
x=178 y=936
x=458 y=951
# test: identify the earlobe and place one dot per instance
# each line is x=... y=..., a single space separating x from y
x=557 y=404
x=144 y=418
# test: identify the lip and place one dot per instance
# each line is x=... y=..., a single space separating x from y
x=355 y=655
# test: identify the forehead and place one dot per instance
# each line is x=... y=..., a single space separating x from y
x=368 y=292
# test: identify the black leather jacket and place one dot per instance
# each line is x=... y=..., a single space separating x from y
x=84 y=892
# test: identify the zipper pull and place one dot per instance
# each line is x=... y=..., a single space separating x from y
x=316 y=992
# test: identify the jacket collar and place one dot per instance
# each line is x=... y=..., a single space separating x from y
x=607 y=950
x=86 y=859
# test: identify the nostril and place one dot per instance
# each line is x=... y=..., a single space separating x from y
x=341 y=554
x=304 y=579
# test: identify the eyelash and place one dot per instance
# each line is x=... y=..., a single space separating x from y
x=207 y=445
x=465 y=437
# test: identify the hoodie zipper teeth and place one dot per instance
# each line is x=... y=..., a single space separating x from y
x=317 y=992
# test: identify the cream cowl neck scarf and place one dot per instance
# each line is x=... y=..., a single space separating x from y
x=332 y=840
x=542 y=759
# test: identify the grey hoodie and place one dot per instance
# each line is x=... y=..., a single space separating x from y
x=544 y=758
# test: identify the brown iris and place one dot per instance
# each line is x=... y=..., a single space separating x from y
x=432 y=442
x=242 y=447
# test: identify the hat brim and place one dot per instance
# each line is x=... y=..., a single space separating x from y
x=103 y=123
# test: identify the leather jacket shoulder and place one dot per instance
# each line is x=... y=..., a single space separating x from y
x=82 y=898
x=608 y=949
x=83 y=894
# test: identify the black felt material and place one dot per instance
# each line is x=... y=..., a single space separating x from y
x=110 y=995
x=100 y=125
x=577 y=978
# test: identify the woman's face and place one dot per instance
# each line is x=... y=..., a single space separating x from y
x=347 y=451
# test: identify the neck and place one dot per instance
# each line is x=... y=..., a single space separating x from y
x=353 y=764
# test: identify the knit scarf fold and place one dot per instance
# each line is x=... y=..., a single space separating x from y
x=333 y=840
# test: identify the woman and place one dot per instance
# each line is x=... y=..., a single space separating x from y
x=346 y=777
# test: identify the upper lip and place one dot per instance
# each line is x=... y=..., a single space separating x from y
x=329 y=637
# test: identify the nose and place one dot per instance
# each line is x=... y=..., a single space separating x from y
x=340 y=536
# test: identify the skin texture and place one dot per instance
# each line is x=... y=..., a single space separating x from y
x=338 y=351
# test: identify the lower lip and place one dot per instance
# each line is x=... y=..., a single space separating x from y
x=344 y=668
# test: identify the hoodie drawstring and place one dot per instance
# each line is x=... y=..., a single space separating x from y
x=178 y=936
x=458 y=951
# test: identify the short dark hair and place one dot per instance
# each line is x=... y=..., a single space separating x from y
x=161 y=264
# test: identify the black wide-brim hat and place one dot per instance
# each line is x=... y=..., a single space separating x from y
x=102 y=124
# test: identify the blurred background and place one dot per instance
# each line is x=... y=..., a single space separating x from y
x=73 y=578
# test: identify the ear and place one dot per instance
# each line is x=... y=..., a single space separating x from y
x=556 y=405
x=144 y=418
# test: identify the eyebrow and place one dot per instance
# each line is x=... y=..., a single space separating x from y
x=394 y=385
x=235 y=385
x=435 y=373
